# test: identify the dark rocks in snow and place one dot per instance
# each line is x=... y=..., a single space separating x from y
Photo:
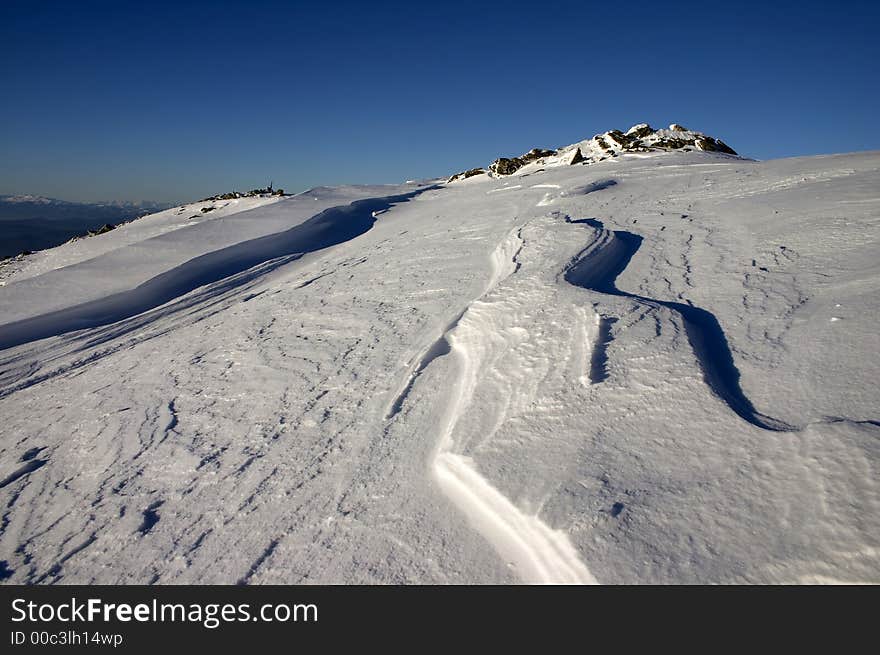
x=643 y=138
x=671 y=144
x=603 y=144
x=106 y=227
x=466 y=174
x=640 y=131
x=638 y=138
x=537 y=153
x=234 y=195
x=506 y=166
x=714 y=145
x=619 y=138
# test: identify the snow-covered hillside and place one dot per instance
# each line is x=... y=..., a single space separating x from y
x=658 y=367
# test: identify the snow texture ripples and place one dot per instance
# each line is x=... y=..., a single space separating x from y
x=607 y=257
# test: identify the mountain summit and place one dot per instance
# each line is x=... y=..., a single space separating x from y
x=638 y=138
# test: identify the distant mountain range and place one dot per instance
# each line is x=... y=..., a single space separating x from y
x=30 y=222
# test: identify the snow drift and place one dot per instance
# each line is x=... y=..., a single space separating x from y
x=638 y=358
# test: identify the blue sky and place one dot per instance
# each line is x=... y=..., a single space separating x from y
x=173 y=102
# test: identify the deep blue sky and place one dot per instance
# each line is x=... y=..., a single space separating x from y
x=147 y=100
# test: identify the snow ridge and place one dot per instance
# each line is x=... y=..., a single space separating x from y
x=330 y=227
x=540 y=554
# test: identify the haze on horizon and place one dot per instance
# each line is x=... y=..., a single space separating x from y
x=171 y=103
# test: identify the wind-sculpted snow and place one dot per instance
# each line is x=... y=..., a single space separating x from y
x=330 y=227
x=431 y=401
x=599 y=359
x=598 y=269
x=437 y=349
x=539 y=553
x=27 y=467
x=593 y=187
x=503 y=258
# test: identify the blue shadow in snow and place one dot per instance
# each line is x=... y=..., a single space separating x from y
x=599 y=272
x=331 y=227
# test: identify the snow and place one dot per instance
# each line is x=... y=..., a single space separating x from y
x=130 y=233
x=426 y=383
x=27 y=198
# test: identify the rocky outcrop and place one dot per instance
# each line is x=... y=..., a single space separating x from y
x=101 y=230
x=640 y=130
x=576 y=158
x=506 y=166
x=714 y=145
x=466 y=174
x=619 y=138
x=645 y=138
x=638 y=138
x=104 y=229
x=233 y=195
x=537 y=153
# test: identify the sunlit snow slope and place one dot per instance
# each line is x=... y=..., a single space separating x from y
x=660 y=367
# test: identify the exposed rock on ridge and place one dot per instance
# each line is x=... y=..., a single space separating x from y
x=638 y=138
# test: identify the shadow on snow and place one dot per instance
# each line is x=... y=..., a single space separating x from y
x=599 y=271
x=328 y=228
